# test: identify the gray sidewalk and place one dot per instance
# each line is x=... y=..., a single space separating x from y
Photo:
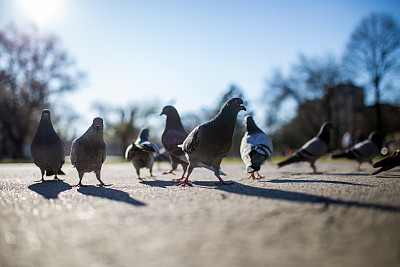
x=289 y=218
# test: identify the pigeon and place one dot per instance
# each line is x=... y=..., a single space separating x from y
x=47 y=148
x=313 y=149
x=174 y=134
x=364 y=151
x=142 y=152
x=210 y=142
x=256 y=147
x=88 y=152
x=387 y=163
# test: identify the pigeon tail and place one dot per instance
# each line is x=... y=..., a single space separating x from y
x=292 y=159
x=345 y=155
x=211 y=168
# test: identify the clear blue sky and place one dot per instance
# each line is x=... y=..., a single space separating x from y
x=189 y=52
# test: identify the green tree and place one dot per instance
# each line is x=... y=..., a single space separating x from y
x=33 y=66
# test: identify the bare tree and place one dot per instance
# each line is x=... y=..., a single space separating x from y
x=32 y=67
x=374 y=51
x=308 y=79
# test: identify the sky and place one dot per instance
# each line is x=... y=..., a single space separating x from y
x=188 y=53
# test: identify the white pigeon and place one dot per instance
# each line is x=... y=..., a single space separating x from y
x=256 y=147
x=142 y=152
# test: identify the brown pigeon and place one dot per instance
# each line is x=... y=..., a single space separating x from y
x=88 y=152
x=210 y=142
x=174 y=134
x=47 y=148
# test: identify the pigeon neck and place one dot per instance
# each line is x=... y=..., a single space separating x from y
x=325 y=135
x=226 y=119
x=173 y=121
x=252 y=128
x=45 y=127
x=142 y=137
x=94 y=134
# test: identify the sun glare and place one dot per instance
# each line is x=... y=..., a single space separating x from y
x=41 y=12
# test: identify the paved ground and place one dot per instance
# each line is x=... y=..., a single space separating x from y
x=290 y=218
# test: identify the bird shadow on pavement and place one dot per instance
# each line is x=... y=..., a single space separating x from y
x=159 y=183
x=109 y=193
x=314 y=181
x=349 y=174
x=50 y=189
x=247 y=190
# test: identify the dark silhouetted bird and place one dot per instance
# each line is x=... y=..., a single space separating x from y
x=47 y=148
x=387 y=163
x=255 y=149
x=174 y=134
x=88 y=152
x=313 y=149
x=142 y=152
x=364 y=151
x=210 y=142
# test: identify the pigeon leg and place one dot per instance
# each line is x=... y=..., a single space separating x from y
x=56 y=179
x=259 y=176
x=42 y=180
x=98 y=178
x=221 y=182
x=80 y=180
x=186 y=181
x=358 y=168
x=183 y=174
x=251 y=176
x=169 y=172
x=314 y=169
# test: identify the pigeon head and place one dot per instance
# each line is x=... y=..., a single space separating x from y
x=235 y=105
x=45 y=115
x=173 y=118
x=169 y=110
x=376 y=138
x=143 y=136
x=97 y=124
x=251 y=126
x=324 y=132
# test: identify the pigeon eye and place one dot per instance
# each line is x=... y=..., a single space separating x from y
x=234 y=102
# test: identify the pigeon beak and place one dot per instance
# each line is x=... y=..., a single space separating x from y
x=97 y=127
x=243 y=107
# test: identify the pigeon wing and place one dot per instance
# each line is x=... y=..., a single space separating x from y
x=313 y=149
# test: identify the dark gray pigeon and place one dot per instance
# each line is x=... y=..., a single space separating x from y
x=313 y=149
x=88 y=152
x=210 y=142
x=387 y=163
x=255 y=149
x=364 y=151
x=142 y=152
x=174 y=134
x=47 y=148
